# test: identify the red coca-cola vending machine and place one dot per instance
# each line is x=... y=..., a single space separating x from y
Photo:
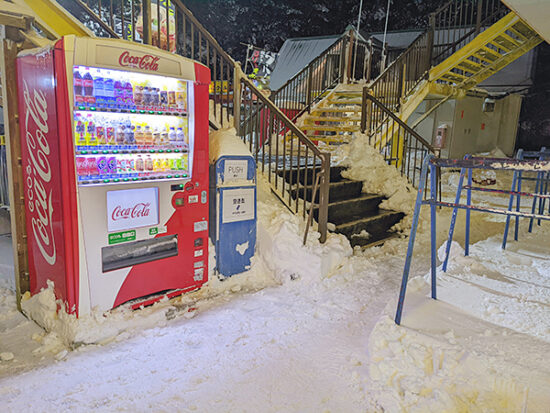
x=115 y=160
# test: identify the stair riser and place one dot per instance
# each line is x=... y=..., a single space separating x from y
x=292 y=175
x=343 y=212
x=349 y=190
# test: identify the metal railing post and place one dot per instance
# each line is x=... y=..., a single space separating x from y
x=323 y=197
x=364 y=110
x=237 y=93
x=308 y=89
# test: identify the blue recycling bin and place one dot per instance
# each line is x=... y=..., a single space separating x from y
x=233 y=212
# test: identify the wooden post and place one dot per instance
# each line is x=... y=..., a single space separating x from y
x=15 y=172
x=147 y=36
x=369 y=62
x=430 y=43
x=349 y=57
x=478 y=16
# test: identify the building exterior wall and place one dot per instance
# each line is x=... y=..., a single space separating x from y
x=469 y=128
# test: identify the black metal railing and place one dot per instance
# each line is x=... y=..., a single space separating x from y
x=289 y=160
x=400 y=145
x=457 y=22
x=308 y=86
x=347 y=59
x=170 y=26
x=404 y=73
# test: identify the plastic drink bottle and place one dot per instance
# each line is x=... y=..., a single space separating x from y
x=146 y=96
x=110 y=134
x=180 y=138
x=99 y=91
x=129 y=94
x=102 y=165
x=171 y=99
x=111 y=165
x=155 y=97
x=100 y=133
x=180 y=100
x=149 y=163
x=109 y=90
x=129 y=134
x=77 y=80
x=81 y=166
x=119 y=94
x=156 y=137
x=88 y=87
x=172 y=136
x=163 y=102
x=157 y=165
x=138 y=95
x=91 y=138
x=92 y=165
x=148 y=136
x=139 y=164
x=131 y=165
x=138 y=135
x=164 y=138
x=119 y=137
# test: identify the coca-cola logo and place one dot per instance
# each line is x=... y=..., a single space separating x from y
x=146 y=62
x=39 y=173
x=139 y=210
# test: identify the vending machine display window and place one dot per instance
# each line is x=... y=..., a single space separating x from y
x=130 y=126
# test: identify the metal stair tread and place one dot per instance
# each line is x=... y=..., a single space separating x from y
x=332 y=119
x=382 y=213
x=362 y=197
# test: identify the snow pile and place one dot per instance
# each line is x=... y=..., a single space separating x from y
x=280 y=239
x=481 y=346
x=419 y=373
x=366 y=164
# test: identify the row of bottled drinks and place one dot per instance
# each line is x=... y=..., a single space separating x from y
x=113 y=90
x=121 y=166
x=93 y=130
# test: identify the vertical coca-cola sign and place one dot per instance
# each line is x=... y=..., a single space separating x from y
x=41 y=173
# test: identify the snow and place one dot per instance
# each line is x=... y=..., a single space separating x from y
x=309 y=328
x=224 y=142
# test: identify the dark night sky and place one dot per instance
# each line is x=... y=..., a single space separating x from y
x=267 y=23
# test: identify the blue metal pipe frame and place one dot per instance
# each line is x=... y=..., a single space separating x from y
x=467 y=165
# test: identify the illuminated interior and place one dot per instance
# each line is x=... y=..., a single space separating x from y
x=130 y=126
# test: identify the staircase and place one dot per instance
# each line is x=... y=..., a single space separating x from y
x=335 y=118
x=467 y=42
x=492 y=50
x=351 y=212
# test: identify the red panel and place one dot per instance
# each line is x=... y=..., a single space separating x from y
x=41 y=161
x=66 y=151
x=178 y=272
x=202 y=74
